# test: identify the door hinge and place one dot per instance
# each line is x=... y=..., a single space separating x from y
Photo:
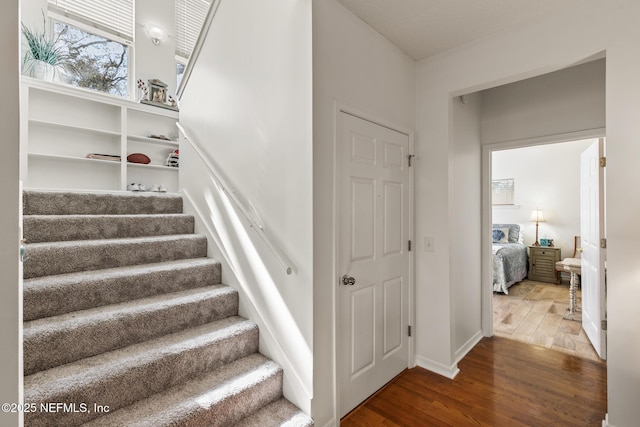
x=409 y=245
x=603 y=325
x=603 y=162
x=409 y=330
x=603 y=243
x=411 y=156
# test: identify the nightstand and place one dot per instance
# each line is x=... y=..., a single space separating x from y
x=542 y=263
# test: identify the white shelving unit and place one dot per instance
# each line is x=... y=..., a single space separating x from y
x=61 y=125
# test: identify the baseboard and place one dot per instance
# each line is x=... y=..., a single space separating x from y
x=466 y=347
x=438 y=368
x=605 y=422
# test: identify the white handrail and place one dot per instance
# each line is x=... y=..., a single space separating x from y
x=197 y=47
x=242 y=204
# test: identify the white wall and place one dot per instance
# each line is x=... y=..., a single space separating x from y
x=155 y=61
x=561 y=102
x=248 y=104
x=11 y=284
x=465 y=268
x=355 y=67
x=547 y=177
x=561 y=39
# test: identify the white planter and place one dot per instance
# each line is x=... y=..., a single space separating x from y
x=41 y=70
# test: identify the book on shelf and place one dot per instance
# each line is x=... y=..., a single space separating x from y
x=97 y=156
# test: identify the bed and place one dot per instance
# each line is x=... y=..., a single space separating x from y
x=510 y=259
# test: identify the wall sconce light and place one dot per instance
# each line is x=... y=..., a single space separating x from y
x=157 y=34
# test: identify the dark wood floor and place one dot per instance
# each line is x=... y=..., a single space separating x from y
x=501 y=383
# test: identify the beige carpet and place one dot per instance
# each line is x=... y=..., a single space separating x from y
x=532 y=313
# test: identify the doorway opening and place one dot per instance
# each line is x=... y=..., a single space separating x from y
x=536 y=200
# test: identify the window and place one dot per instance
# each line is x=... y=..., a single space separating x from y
x=98 y=63
x=179 y=72
x=502 y=191
x=190 y=15
x=98 y=36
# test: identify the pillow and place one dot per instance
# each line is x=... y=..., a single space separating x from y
x=514 y=232
x=501 y=235
x=520 y=238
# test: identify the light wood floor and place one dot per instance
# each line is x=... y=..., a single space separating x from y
x=532 y=313
x=501 y=382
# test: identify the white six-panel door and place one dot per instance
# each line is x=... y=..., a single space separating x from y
x=373 y=190
x=593 y=256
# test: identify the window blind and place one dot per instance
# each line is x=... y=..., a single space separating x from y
x=190 y=15
x=113 y=16
x=502 y=191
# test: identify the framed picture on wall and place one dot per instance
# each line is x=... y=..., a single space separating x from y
x=502 y=191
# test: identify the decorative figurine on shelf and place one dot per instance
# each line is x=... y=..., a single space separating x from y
x=143 y=92
x=172 y=102
x=174 y=159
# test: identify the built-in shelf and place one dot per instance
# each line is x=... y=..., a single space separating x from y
x=73 y=127
x=152 y=166
x=62 y=124
x=75 y=159
x=149 y=140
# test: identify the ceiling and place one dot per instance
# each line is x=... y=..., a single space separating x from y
x=422 y=28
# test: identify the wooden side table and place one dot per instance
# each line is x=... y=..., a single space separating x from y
x=542 y=263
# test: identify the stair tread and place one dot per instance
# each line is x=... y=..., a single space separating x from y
x=158 y=302
x=65 y=202
x=182 y=402
x=50 y=228
x=51 y=258
x=278 y=413
x=47 y=296
x=46 y=385
x=68 y=337
x=105 y=273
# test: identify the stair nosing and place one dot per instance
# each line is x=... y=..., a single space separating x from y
x=117 y=240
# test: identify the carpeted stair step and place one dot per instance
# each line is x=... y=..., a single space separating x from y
x=279 y=413
x=72 y=203
x=54 y=341
x=63 y=293
x=81 y=255
x=219 y=398
x=56 y=228
x=122 y=377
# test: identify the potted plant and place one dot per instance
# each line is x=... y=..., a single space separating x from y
x=43 y=55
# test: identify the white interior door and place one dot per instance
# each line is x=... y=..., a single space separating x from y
x=373 y=187
x=593 y=255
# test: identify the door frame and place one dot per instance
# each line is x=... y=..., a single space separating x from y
x=486 y=215
x=339 y=108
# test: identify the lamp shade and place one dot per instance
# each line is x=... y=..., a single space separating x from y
x=537 y=216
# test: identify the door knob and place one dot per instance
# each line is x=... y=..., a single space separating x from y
x=348 y=280
x=579 y=250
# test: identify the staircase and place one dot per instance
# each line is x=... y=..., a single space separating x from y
x=126 y=322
